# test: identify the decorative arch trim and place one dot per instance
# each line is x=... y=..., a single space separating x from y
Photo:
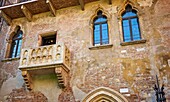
x=106 y=94
x=9 y=38
x=122 y=8
x=104 y=12
x=14 y=32
x=91 y=21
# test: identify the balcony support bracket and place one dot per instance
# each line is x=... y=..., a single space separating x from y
x=26 y=12
x=51 y=7
x=27 y=79
x=81 y=2
x=62 y=76
x=6 y=17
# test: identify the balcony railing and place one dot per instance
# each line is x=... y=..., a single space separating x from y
x=45 y=59
x=45 y=55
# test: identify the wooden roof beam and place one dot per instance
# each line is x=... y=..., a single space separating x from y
x=81 y=2
x=26 y=12
x=6 y=17
x=110 y=2
x=51 y=7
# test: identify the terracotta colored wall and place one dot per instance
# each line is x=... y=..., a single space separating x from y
x=131 y=66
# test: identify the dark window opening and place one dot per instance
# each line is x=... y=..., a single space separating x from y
x=100 y=30
x=49 y=40
x=130 y=25
x=16 y=44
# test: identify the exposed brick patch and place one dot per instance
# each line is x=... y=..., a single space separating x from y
x=21 y=95
x=66 y=95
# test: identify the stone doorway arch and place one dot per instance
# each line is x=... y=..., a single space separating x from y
x=104 y=94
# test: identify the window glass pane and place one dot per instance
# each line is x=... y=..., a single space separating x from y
x=16 y=44
x=96 y=34
x=135 y=29
x=100 y=19
x=19 y=48
x=14 y=47
x=105 y=38
x=126 y=30
x=100 y=29
x=129 y=14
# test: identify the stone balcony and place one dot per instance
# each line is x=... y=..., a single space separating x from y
x=45 y=60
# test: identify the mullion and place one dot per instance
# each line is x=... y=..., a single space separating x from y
x=130 y=25
x=100 y=34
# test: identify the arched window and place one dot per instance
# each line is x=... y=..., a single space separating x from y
x=16 y=44
x=100 y=30
x=130 y=25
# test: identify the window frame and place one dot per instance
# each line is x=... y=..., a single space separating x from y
x=129 y=18
x=48 y=34
x=46 y=38
x=18 y=45
x=98 y=16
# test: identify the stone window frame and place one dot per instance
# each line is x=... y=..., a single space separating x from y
x=105 y=13
x=17 y=37
x=46 y=34
x=9 y=43
x=135 y=6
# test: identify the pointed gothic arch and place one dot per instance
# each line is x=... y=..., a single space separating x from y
x=14 y=39
x=104 y=94
x=99 y=8
x=122 y=7
x=91 y=23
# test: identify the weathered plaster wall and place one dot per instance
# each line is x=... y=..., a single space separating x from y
x=47 y=84
x=131 y=66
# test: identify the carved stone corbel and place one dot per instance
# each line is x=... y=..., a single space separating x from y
x=27 y=79
x=62 y=76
